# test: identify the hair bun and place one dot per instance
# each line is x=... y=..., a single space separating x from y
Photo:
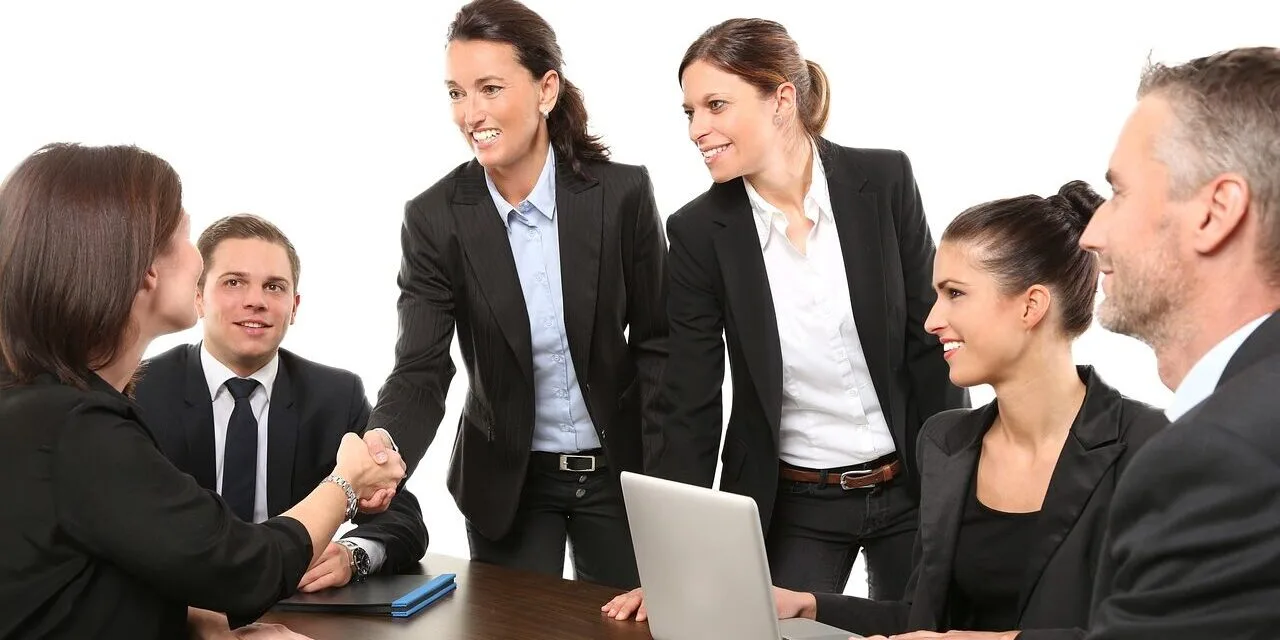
x=1080 y=199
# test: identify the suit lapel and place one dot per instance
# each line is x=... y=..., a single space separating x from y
x=750 y=299
x=580 y=222
x=1090 y=451
x=282 y=440
x=197 y=422
x=1261 y=344
x=944 y=487
x=484 y=240
x=858 y=225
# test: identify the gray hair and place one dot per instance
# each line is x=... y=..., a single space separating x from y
x=1228 y=112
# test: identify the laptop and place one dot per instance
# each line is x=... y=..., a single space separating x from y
x=702 y=564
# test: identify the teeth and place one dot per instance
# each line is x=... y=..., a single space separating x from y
x=711 y=153
x=253 y=325
x=486 y=135
x=951 y=346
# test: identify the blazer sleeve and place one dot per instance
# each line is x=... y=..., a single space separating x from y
x=694 y=376
x=931 y=386
x=644 y=268
x=1193 y=540
x=870 y=617
x=118 y=496
x=411 y=403
x=400 y=529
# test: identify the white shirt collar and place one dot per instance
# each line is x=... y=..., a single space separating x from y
x=216 y=374
x=817 y=202
x=1203 y=377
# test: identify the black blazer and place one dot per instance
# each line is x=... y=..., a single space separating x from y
x=458 y=271
x=1055 y=598
x=1194 y=546
x=720 y=290
x=103 y=537
x=312 y=407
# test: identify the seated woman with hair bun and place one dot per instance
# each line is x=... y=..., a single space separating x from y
x=1014 y=495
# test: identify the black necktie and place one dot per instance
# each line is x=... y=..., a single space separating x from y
x=240 y=457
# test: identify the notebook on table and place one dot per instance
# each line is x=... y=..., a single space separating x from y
x=399 y=596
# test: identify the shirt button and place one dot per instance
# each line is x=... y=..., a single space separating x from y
x=541 y=277
x=548 y=323
x=557 y=358
x=532 y=233
x=580 y=492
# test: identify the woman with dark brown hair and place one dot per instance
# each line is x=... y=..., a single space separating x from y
x=812 y=261
x=549 y=261
x=104 y=537
x=1015 y=495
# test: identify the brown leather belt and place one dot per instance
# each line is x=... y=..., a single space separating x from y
x=856 y=479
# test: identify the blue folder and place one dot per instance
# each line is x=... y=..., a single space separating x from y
x=399 y=596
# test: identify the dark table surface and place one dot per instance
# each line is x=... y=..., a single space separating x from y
x=491 y=603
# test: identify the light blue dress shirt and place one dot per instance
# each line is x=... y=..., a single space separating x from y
x=1203 y=377
x=560 y=422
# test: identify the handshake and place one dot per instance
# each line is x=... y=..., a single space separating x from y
x=373 y=466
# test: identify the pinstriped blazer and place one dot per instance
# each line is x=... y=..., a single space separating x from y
x=458 y=274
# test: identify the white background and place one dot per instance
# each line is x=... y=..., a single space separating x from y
x=327 y=117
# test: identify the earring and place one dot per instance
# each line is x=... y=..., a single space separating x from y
x=546 y=114
x=777 y=121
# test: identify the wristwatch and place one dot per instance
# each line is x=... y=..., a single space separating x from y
x=353 y=500
x=359 y=560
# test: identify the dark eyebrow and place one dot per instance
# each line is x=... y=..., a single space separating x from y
x=706 y=98
x=942 y=284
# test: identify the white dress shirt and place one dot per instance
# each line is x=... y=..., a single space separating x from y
x=1203 y=377
x=216 y=375
x=831 y=416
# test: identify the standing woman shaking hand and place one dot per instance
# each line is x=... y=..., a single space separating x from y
x=550 y=263
x=813 y=262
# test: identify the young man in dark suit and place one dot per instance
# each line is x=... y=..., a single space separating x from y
x=1190 y=249
x=259 y=424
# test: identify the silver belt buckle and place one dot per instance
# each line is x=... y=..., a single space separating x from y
x=851 y=475
x=564 y=463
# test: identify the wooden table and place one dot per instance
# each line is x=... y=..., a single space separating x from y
x=491 y=603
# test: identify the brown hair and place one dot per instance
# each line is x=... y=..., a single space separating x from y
x=79 y=227
x=762 y=53
x=1228 y=119
x=244 y=226
x=1032 y=240
x=512 y=23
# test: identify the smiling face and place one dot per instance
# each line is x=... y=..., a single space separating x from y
x=729 y=120
x=497 y=104
x=984 y=332
x=1135 y=233
x=247 y=302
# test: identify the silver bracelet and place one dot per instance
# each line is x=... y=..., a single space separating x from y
x=353 y=500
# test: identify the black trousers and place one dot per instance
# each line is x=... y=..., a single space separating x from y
x=584 y=508
x=816 y=532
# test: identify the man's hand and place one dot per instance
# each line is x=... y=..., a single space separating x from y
x=331 y=569
x=379 y=443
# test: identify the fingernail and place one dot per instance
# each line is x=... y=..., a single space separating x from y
x=380 y=458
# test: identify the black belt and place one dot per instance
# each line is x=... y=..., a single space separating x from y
x=581 y=462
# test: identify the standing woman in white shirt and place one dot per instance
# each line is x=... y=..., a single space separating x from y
x=813 y=261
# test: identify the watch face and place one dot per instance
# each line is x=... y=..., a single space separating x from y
x=360 y=559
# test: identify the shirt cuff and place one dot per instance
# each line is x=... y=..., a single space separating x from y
x=388 y=435
x=376 y=551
